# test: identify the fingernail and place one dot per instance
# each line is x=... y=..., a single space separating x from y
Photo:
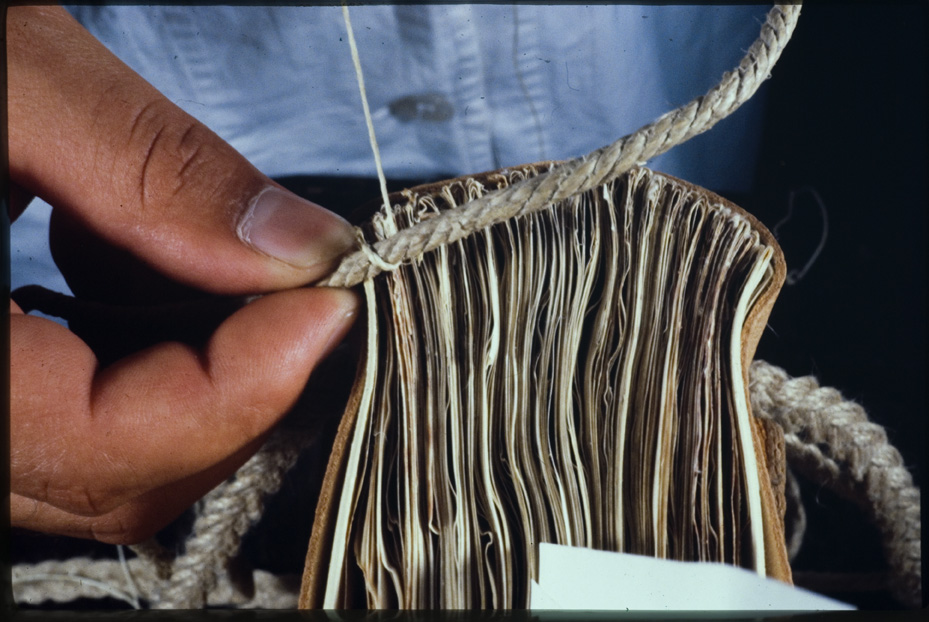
x=293 y=230
x=347 y=303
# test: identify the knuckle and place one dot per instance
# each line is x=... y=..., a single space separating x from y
x=122 y=526
x=169 y=151
x=81 y=499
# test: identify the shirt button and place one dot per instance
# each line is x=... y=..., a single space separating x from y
x=423 y=107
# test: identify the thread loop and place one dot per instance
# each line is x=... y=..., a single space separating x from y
x=371 y=254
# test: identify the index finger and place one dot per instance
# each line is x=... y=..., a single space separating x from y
x=86 y=440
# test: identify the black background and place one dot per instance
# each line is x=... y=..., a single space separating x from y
x=846 y=116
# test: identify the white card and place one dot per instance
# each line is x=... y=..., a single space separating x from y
x=579 y=578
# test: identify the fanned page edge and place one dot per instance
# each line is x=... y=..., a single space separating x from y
x=328 y=509
x=775 y=563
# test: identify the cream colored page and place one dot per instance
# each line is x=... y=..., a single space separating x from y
x=562 y=377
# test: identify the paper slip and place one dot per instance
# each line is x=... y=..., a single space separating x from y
x=579 y=578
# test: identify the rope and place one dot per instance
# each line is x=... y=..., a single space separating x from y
x=225 y=516
x=830 y=441
x=68 y=580
x=577 y=176
x=199 y=576
x=156 y=556
x=82 y=577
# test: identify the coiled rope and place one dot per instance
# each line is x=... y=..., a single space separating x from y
x=832 y=443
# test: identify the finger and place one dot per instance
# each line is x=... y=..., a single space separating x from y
x=87 y=440
x=130 y=523
x=92 y=137
x=135 y=520
x=82 y=256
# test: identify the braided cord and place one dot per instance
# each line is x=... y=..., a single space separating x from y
x=582 y=174
x=200 y=575
x=81 y=577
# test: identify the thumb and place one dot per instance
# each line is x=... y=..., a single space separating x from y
x=93 y=138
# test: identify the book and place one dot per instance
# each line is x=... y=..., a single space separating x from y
x=575 y=376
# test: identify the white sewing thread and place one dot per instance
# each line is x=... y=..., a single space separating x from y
x=364 y=102
x=373 y=257
x=130 y=581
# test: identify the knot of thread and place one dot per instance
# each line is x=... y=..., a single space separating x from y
x=831 y=441
x=382 y=264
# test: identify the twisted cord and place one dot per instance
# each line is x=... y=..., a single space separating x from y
x=582 y=174
x=225 y=516
x=831 y=441
x=153 y=553
x=82 y=577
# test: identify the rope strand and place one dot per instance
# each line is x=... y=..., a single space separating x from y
x=228 y=512
x=830 y=441
x=582 y=174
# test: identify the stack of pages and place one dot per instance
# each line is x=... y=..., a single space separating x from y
x=577 y=376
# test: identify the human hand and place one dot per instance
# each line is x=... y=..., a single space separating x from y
x=116 y=452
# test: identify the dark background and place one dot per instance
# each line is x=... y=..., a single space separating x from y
x=846 y=116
